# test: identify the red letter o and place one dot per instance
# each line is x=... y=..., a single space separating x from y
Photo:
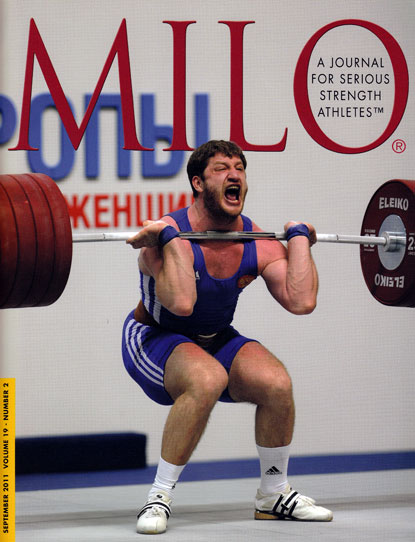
x=302 y=102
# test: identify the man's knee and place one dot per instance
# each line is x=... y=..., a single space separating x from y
x=276 y=382
x=209 y=384
x=259 y=377
x=203 y=380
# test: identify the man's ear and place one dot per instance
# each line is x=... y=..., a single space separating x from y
x=198 y=183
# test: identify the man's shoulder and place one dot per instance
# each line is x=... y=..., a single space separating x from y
x=268 y=250
x=176 y=217
x=254 y=226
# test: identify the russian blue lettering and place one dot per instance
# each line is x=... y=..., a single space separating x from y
x=201 y=118
x=152 y=133
x=8 y=119
x=67 y=152
x=105 y=101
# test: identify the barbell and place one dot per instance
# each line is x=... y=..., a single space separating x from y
x=36 y=241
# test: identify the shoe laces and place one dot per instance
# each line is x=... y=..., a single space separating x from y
x=155 y=510
x=156 y=506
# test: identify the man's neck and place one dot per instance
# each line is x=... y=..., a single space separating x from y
x=201 y=220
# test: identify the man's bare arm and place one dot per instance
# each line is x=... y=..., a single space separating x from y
x=171 y=266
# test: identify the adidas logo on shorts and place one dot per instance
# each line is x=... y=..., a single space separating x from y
x=273 y=471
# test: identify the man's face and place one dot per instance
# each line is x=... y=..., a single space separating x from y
x=224 y=186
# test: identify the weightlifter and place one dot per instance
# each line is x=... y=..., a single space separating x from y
x=179 y=344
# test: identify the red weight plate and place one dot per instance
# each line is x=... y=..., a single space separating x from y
x=45 y=240
x=63 y=237
x=8 y=246
x=397 y=286
x=26 y=237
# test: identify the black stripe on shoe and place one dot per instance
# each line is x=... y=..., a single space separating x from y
x=166 y=508
x=284 y=507
x=277 y=503
x=290 y=513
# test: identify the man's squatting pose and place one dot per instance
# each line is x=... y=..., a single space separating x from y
x=180 y=347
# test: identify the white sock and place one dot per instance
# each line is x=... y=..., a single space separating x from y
x=274 y=467
x=166 y=477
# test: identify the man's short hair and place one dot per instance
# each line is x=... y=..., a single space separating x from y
x=199 y=158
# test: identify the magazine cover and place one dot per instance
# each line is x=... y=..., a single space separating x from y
x=101 y=106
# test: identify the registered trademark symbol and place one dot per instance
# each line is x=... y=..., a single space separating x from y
x=399 y=146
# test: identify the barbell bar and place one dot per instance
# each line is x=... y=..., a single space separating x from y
x=36 y=241
x=391 y=241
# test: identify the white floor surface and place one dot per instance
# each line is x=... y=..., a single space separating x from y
x=371 y=506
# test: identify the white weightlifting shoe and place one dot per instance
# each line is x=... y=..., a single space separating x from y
x=289 y=504
x=152 y=518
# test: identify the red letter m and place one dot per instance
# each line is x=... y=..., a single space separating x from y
x=37 y=48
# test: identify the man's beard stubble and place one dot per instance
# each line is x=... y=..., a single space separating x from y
x=214 y=208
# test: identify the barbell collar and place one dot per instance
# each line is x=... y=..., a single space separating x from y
x=394 y=241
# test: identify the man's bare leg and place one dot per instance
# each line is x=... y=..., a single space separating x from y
x=258 y=377
x=195 y=381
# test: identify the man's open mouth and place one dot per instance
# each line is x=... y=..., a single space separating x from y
x=232 y=193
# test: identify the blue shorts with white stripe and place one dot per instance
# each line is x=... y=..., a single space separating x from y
x=145 y=350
